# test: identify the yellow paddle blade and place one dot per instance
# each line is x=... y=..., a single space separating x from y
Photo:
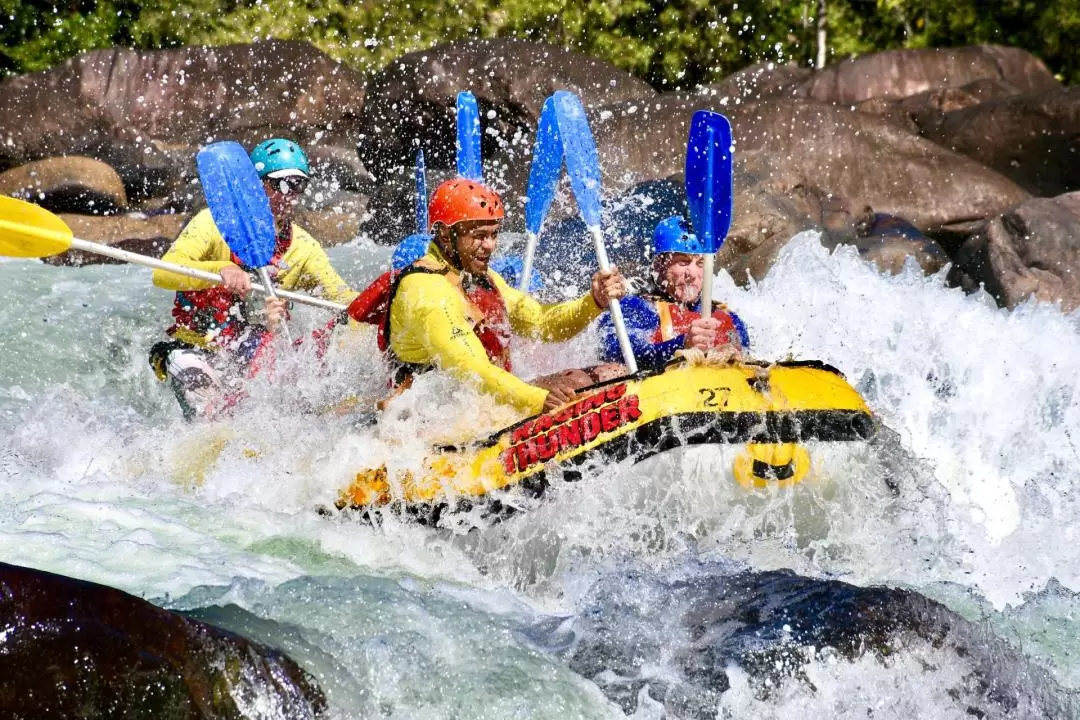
x=28 y=230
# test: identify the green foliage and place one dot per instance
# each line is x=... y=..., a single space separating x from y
x=671 y=43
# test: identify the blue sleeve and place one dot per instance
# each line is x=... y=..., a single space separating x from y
x=641 y=324
x=740 y=326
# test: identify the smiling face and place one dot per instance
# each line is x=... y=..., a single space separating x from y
x=476 y=241
x=680 y=276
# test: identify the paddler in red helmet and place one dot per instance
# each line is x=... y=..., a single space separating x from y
x=449 y=311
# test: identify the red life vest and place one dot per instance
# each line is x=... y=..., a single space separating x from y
x=216 y=311
x=372 y=306
x=675 y=320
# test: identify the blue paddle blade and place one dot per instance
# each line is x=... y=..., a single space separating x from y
x=709 y=191
x=421 y=194
x=579 y=148
x=469 y=164
x=238 y=202
x=544 y=171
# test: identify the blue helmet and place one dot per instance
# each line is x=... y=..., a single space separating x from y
x=278 y=157
x=673 y=234
x=409 y=251
x=511 y=267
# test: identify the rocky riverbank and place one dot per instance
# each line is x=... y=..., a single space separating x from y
x=943 y=155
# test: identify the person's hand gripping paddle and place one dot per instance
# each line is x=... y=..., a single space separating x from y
x=240 y=208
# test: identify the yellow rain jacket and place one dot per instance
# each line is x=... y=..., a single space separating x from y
x=304 y=266
x=432 y=323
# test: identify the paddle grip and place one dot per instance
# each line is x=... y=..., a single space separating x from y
x=614 y=307
x=264 y=275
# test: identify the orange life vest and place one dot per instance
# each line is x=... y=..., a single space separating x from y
x=675 y=320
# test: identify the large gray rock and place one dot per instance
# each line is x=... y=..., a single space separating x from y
x=74 y=649
x=114 y=104
x=797 y=161
x=1031 y=251
x=1033 y=139
x=929 y=107
x=901 y=73
x=67 y=184
x=133 y=232
x=676 y=637
x=791 y=143
x=411 y=103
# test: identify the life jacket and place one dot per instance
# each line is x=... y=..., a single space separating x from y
x=492 y=325
x=215 y=317
x=675 y=320
x=372 y=306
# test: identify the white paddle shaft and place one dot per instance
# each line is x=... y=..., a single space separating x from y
x=706 y=285
x=147 y=261
x=527 y=264
x=614 y=307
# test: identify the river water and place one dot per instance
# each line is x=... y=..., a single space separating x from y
x=102 y=480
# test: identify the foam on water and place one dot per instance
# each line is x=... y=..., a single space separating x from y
x=102 y=480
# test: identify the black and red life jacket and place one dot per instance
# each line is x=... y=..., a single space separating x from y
x=372 y=306
x=216 y=316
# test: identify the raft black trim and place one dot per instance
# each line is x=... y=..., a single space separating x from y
x=495 y=437
x=653 y=438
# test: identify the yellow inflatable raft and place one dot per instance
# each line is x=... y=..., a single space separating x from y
x=769 y=409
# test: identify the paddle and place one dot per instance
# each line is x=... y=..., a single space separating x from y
x=28 y=230
x=421 y=194
x=709 y=189
x=240 y=208
x=469 y=165
x=583 y=166
x=543 y=176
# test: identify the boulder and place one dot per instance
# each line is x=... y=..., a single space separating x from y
x=1032 y=139
x=1031 y=251
x=133 y=232
x=113 y=104
x=927 y=108
x=77 y=649
x=333 y=218
x=758 y=82
x=67 y=184
x=703 y=623
x=888 y=242
x=895 y=74
x=802 y=143
x=767 y=216
x=411 y=103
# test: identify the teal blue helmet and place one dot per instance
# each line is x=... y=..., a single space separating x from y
x=673 y=234
x=279 y=158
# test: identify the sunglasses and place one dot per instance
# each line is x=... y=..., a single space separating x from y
x=294 y=184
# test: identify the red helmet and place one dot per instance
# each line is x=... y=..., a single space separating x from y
x=460 y=199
